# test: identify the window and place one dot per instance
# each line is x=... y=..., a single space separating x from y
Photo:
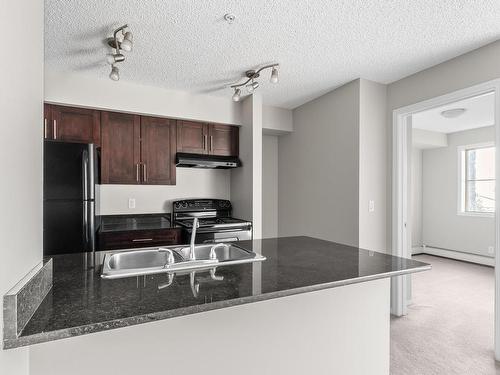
x=477 y=183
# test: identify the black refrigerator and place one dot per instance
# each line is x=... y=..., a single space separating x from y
x=70 y=173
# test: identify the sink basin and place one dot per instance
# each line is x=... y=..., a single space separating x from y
x=223 y=253
x=156 y=260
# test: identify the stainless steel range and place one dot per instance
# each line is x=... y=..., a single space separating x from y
x=215 y=221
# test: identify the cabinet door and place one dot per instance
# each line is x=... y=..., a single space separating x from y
x=192 y=137
x=223 y=140
x=158 y=148
x=47 y=122
x=75 y=124
x=120 y=148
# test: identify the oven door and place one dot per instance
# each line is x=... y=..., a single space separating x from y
x=224 y=236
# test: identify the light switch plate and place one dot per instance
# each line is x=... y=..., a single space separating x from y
x=371 y=206
x=491 y=249
x=131 y=203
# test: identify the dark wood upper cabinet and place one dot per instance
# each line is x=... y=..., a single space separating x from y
x=192 y=137
x=138 y=149
x=70 y=124
x=213 y=139
x=47 y=122
x=223 y=140
x=120 y=148
x=158 y=148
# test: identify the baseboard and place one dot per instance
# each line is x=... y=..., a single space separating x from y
x=415 y=250
x=457 y=255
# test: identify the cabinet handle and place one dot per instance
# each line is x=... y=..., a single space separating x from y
x=142 y=240
x=211 y=142
x=204 y=142
x=137 y=172
x=45 y=128
x=54 y=129
x=144 y=172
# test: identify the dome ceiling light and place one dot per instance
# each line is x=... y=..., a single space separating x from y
x=122 y=40
x=251 y=82
x=453 y=113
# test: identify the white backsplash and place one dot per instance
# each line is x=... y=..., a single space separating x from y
x=191 y=183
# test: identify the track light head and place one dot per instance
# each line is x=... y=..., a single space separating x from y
x=251 y=87
x=127 y=42
x=237 y=95
x=115 y=73
x=274 y=75
x=114 y=58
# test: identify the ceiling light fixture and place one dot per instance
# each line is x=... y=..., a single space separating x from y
x=251 y=82
x=453 y=113
x=122 y=40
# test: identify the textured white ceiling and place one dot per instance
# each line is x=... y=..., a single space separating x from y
x=320 y=44
x=480 y=112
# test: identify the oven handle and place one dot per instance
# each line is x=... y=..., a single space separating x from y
x=227 y=239
x=229 y=230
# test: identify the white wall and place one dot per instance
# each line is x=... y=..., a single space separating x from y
x=372 y=165
x=319 y=168
x=428 y=139
x=276 y=120
x=442 y=227
x=246 y=182
x=21 y=98
x=191 y=183
x=323 y=332
x=269 y=186
x=477 y=66
x=416 y=197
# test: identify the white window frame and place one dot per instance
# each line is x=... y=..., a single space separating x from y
x=461 y=180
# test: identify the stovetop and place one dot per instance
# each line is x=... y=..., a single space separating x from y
x=214 y=222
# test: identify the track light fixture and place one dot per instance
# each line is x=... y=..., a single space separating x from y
x=122 y=40
x=251 y=82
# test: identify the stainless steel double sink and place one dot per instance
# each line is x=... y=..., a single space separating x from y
x=174 y=259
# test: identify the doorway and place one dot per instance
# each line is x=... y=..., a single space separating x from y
x=401 y=194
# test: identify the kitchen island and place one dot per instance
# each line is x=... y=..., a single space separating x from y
x=312 y=305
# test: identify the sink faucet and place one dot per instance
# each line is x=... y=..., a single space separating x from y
x=193 y=235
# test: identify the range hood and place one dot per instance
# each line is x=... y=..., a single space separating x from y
x=206 y=161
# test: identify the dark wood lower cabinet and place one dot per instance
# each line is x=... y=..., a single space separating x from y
x=121 y=148
x=158 y=148
x=139 y=238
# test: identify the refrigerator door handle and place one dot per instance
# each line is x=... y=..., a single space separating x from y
x=91 y=171
x=85 y=174
x=86 y=223
x=91 y=226
x=88 y=172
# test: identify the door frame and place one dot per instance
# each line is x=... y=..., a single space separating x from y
x=401 y=233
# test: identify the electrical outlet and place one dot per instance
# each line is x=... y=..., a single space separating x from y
x=131 y=203
x=491 y=250
x=371 y=206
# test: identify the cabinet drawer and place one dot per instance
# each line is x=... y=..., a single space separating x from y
x=139 y=238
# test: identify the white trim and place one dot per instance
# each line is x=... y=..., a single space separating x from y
x=400 y=181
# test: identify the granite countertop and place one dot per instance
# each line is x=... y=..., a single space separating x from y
x=121 y=223
x=81 y=302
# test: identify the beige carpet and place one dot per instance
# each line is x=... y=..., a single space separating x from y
x=449 y=327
